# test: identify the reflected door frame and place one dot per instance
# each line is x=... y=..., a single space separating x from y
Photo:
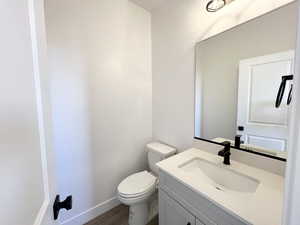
x=292 y=181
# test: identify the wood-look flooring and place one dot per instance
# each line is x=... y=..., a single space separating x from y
x=116 y=216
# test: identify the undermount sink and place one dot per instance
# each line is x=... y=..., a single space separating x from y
x=220 y=176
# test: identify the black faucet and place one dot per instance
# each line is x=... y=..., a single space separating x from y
x=238 y=141
x=226 y=152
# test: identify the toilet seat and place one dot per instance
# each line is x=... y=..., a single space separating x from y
x=137 y=185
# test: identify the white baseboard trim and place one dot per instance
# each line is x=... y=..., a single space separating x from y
x=92 y=213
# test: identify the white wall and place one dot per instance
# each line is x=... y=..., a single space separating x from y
x=176 y=27
x=21 y=190
x=100 y=62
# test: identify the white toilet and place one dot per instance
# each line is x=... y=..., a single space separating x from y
x=138 y=190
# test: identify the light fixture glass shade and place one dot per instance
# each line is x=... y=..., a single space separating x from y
x=215 y=5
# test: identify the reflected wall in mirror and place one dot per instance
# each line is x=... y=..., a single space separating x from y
x=238 y=76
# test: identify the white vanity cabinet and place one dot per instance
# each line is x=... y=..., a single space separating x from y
x=180 y=205
x=172 y=213
x=196 y=187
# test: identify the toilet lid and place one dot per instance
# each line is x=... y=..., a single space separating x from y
x=137 y=183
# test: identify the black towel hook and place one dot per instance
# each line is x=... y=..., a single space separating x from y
x=282 y=89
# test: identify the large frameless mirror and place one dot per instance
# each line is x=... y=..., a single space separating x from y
x=244 y=81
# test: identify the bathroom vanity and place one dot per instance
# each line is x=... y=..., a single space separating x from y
x=196 y=188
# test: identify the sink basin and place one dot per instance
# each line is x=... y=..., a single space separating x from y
x=220 y=176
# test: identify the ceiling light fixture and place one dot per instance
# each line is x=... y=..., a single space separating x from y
x=215 y=5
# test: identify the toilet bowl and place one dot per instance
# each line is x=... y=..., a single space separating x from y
x=135 y=191
x=138 y=191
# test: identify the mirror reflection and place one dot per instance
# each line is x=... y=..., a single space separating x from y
x=244 y=81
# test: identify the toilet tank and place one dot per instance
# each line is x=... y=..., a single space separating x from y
x=158 y=152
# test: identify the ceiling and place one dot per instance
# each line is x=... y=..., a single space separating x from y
x=148 y=4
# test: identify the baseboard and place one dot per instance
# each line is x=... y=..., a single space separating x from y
x=92 y=213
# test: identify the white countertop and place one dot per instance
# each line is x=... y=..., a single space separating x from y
x=263 y=207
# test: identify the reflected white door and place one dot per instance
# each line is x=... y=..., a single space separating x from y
x=25 y=163
x=259 y=122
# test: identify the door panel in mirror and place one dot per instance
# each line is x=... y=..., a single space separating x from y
x=264 y=125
